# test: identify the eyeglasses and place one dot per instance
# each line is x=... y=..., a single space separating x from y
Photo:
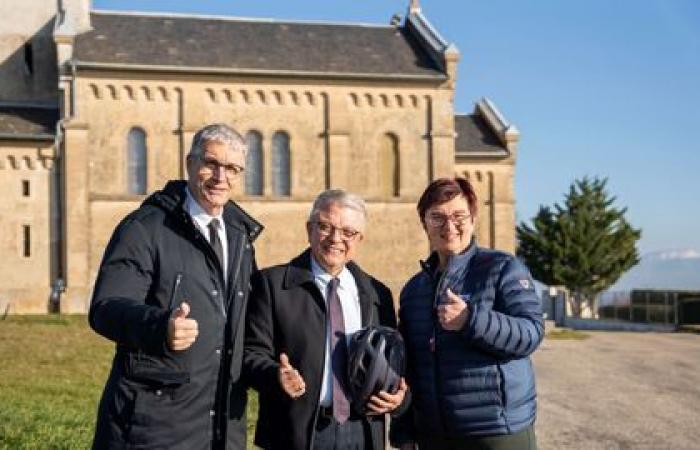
x=212 y=166
x=325 y=229
x=436 y=220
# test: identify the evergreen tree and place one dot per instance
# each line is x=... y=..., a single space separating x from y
x=586 y=244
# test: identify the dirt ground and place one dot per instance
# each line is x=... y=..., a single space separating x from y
x=619 y=390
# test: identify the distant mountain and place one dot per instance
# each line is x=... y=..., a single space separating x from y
x=668 y=269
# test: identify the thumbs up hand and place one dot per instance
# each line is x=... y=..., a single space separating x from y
x=182 y=331
x=452 y=312
x=291 y=381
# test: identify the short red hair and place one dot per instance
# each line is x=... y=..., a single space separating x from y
x=443 y=190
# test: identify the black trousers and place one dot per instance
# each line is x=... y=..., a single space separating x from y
x=353 y=434
x=522 y=440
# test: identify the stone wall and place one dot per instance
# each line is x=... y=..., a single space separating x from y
x=335 y=135
x=393 y=244
x=336 y=132
x=493 y=183
x=25 y=269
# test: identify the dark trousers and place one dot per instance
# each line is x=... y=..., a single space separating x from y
x=522 y=440
x=351 y=435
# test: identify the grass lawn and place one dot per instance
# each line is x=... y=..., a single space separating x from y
x=52 y=373
x=566 y=333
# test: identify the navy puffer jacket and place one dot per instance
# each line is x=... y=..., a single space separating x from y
x=477 y=381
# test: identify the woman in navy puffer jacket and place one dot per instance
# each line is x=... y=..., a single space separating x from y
x=470 y=320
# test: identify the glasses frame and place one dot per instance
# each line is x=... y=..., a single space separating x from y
x=212 y=165
x=346 y=234
x=440 y=220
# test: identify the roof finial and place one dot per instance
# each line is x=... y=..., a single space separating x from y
x=414 y=8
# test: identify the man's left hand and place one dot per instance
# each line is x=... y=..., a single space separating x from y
x=453 y=312
x=385 y=402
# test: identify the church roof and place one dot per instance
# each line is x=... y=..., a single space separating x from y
x=248 y=46
x=28 y=122
x=476 y=138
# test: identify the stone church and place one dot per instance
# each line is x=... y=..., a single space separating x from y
x=98 y=109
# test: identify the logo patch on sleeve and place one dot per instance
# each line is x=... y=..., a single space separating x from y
x=525 y=283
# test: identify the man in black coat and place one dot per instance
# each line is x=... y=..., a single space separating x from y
x=172 y=293
x=289 y=350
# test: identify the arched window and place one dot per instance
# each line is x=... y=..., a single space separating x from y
x=254 y=164
x=136 y=163
x=280 y=164
x=389 y=166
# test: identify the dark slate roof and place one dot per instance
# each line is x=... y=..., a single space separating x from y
x=28 y=122
x=476 y=138
x=252 y=46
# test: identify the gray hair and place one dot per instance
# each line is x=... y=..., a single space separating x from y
x=217 y=132
x=340 y=197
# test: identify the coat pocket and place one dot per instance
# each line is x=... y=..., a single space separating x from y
x=157 y=371
x=154 y=424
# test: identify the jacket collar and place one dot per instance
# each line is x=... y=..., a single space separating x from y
x=455 y=264
x=298 y=273
x=172 y=200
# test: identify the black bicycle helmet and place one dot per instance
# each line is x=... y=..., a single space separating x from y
x=376 y=358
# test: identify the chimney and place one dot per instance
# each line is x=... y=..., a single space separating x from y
x=76 y=15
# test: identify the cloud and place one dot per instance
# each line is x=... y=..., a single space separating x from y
x=673 y=254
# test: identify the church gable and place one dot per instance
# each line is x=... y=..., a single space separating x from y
x=476 y=138
x=485 y=133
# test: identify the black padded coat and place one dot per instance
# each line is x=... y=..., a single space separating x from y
x=155 y=397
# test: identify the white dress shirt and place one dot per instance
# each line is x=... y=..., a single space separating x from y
x=201 y=220
x=352 y=317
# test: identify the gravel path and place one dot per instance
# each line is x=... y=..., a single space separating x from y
x=619 y=391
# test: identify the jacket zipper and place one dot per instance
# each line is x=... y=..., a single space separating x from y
x=239 y=258
x=232 y=292
x=434 y=350
x=176 y=288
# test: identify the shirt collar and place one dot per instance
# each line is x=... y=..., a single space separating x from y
x=197 y=212
x=345 y=278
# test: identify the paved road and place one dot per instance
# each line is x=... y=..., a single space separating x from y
x=619 y=391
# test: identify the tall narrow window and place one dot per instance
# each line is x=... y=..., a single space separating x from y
x=28 y=58
x=280 y=164
x=389 y=167
x=136 y=166
x=254 y=164
x=25 y=188
x=27 y=241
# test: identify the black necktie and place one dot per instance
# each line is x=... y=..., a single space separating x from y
x=215 y=241
x=341 y=404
